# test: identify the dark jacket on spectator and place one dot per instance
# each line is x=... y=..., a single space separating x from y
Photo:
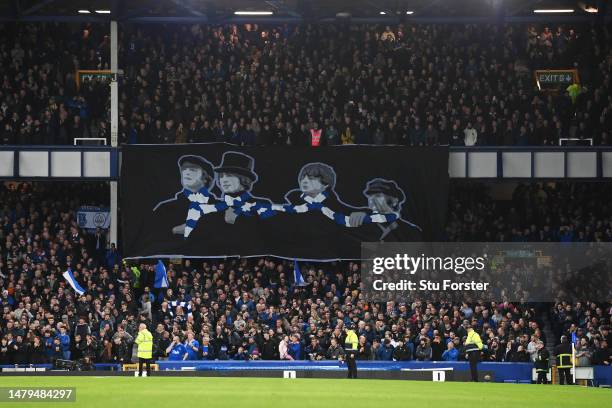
x=401 y=353
x=37 y=354
x=423 y=353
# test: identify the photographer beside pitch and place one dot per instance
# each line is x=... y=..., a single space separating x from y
x=144 y=340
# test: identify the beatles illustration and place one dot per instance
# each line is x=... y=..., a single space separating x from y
x=315 y=197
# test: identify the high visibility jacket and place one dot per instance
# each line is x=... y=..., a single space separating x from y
x=564 y=361
x=564 y=355
x=315 y=135
x=144 y=340
x=573 y=90
x=351 y=340
x=473 y=341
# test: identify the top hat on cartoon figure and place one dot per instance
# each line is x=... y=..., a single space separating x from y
x=235 y=174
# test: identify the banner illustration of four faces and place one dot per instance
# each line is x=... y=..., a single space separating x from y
x=215 y=200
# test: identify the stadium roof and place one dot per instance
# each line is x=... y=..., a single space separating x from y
x=278 y=11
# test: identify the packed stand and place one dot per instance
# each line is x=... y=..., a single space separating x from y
x=249 y=309
x=587 y=324
x=309 y=84
x=538 y=212
x=40 y=103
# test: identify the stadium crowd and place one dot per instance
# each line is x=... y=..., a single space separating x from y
x=307 y=84
x=250 y=309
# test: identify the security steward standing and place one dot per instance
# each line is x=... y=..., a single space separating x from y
x=144 y=340
x=351 y=342
x=473 y=347
x=564 y=361
x=541 y=363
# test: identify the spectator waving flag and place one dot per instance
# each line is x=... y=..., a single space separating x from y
x=161 y=278
x=72 y=281
x=298 y=280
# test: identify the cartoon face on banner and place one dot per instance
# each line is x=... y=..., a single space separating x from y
x=314 y=178
x=235 y=176
x=331 y=204
x=384 y=196
x=191 y=177
x=196 y=172
x=232 y=183
x=235 y=173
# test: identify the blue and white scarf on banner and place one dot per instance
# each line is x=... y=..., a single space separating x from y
x=202 y=203
x=317 y=203
x=199 y=205
x=246 y=204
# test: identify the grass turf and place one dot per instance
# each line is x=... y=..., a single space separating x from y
x=128 y=392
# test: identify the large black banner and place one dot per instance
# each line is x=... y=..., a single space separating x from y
x=214 y=200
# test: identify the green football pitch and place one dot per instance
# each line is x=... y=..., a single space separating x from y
x=178 y=392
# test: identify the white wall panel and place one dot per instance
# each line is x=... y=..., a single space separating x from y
x=33 y=164
x=516 y=164
x=549 y=165
x=97 y=164
x=7 y=163
x=456 y=164
x=581 y=164
x=65 y=164
x=482 y=164
x=606 y=158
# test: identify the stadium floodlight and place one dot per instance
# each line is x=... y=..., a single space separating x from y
x=410 y=12
x=103 y=11
x=553 y=11
x=382 y=13
x=591 y=10
x=253 y=13
x=84 y=12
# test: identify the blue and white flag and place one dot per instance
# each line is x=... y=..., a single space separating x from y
x=90 y=217
x=75 y=285
x=161 y=277
x=298 y=280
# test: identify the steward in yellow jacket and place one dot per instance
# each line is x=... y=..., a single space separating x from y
x=351 y=341
x=472 y=347
x=144 y=341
